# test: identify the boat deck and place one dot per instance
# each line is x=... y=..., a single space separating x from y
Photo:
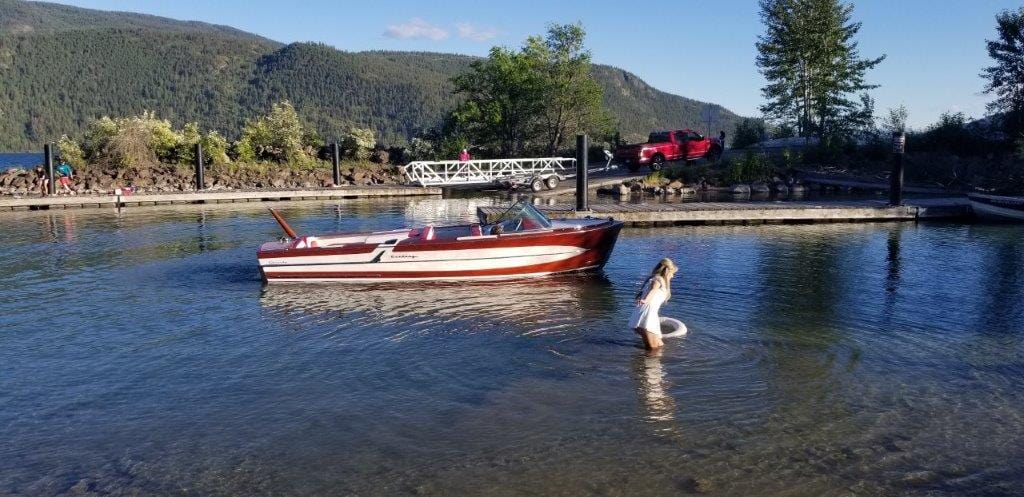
x=661 y=214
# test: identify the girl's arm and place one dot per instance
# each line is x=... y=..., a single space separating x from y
x=654 y=285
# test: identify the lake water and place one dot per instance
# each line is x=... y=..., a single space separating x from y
x=141 y=355
x=18 y=159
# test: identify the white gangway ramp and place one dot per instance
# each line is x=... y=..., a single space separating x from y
x=471 y=172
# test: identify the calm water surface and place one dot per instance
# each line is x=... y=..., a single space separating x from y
x=19 y=159
x=140 y=355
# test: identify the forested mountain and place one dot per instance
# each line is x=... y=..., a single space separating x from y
x=61 y=67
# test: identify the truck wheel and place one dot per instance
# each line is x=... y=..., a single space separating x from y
x=537 y=184
x=551 y=182
x=656 y=162
x=714 y=154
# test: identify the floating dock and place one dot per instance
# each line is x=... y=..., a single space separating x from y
x=206 y=197
x=686 y=213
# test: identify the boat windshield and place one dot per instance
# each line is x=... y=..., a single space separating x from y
x=521 y=216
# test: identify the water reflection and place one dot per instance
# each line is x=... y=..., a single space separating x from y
x=532 y=306
x=805 y=356
x=653 y=388
x=892 y=273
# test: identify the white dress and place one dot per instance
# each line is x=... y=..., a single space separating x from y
x=646 y=315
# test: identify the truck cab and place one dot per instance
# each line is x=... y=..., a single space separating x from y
x=662 y=146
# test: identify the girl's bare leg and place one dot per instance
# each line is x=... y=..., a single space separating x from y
x=652 y=341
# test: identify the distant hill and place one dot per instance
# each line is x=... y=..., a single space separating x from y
x=63 y=66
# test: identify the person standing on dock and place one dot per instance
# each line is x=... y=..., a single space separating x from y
x=464 y=156
x=66 y=175
x=42 y=182
x=645 y=320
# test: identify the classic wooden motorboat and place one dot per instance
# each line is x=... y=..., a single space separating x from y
x=997 y=208
x=521 y=242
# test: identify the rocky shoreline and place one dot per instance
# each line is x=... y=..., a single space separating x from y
x=97 y=180
x=665 y=186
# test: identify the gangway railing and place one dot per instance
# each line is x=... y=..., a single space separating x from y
x=471 y=172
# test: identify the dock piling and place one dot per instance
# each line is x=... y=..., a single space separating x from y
x=200 y=182
x=51 y=188
x=899 y=145
x=581 y=173
x=336 y=162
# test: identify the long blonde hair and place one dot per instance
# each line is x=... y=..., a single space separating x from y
x=665 y=270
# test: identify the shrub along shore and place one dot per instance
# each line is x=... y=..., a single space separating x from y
x=274 y=151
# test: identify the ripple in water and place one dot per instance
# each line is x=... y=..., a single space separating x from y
x=140 y=354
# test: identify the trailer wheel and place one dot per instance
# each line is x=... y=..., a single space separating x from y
x=551 y=182
x=537 y=184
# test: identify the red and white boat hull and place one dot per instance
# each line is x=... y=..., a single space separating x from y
x=410 y=256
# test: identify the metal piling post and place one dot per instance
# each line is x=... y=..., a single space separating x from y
x=200 y=182
x=581 y=173
x=51 y=187
x=336 y=162
x=899 y=145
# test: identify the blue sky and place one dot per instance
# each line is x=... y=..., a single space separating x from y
x=703 y=50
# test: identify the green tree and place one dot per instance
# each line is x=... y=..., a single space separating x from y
x=813 y=66
x=70 y=152
x=748 y=132
x=277 y=136
x=896 y=121
x=1006 y=77
x=359 y=142
x=533 y=98
x=572 y=97
x=504 y=95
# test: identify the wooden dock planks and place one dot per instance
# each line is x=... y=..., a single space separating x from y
x=221 y=196
x=648 y=214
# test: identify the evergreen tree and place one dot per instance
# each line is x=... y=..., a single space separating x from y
x=813 y=66
x=1006 y=77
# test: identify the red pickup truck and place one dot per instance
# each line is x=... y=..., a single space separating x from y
x=664 y=146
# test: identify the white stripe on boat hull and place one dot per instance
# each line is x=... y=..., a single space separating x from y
x=434 y=260
x=450 y=278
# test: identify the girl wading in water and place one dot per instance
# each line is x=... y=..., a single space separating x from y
x=656 y=290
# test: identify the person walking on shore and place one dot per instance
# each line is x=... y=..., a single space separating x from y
x=721 y=138
x=66 y=175
x=42 y=182
x=645 y=320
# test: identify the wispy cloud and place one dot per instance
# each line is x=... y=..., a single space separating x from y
x=476 y=33
x=416 y=28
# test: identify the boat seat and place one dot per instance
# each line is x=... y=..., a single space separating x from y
x=474 y=230
x=428 y=233
x=306 y=242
